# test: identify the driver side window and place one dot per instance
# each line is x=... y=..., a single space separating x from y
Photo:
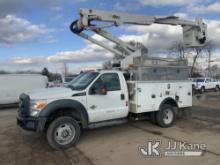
x=108 y=80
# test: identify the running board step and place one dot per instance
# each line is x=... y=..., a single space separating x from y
x=107 y=123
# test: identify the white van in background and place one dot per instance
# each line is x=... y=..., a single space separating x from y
x=12 y=85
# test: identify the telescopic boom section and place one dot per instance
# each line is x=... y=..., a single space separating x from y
x=194 y=32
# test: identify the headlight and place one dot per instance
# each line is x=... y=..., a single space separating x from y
x=41 y=104
x=37 y=106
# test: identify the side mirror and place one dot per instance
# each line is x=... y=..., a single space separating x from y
x=103 y=91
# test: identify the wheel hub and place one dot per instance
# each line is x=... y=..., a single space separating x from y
x=168 y=116
x=64 y=134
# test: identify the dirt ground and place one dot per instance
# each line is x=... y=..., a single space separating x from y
x=118 y=144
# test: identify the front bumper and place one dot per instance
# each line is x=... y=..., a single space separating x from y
x=31 y=123
x=24 y=120
x=197 y=88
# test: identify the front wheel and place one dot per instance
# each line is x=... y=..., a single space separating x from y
x=202 y=90
x=63 y=133
x=166 y=116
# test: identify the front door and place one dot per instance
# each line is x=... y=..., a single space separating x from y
x=111 y=105
x=208 y=84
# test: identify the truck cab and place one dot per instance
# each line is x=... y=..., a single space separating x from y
x=106 y=96
x=89 y=98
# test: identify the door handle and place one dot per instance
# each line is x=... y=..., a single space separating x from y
x=122 y=97
x=93 y=107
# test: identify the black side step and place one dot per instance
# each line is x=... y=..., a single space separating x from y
x=107 y=123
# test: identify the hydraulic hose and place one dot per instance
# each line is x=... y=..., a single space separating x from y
x=74 y=28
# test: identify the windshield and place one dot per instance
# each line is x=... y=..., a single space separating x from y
x=82 y=80
x=200 y=80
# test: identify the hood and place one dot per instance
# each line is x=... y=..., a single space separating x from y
x=50 y=93
x=199 y=83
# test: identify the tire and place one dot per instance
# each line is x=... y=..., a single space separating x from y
x=216 y=88
x=63 y=133
x=202 y=90
x=166 y=116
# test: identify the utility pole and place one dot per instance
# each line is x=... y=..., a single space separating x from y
x=210 y=46
x=209 y=62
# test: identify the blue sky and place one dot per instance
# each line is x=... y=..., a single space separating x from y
x=34 y=34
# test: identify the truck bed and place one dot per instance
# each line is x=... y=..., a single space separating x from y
x=147 y=96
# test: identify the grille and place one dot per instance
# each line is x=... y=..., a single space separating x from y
x=24 y=105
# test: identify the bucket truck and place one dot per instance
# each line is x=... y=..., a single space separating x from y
x=140 y=87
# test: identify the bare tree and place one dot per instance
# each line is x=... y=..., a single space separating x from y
x=214 y=71
x=65 y=69
x=209 y=48
x=198 y=51
x=107 y=65
x=178 y=49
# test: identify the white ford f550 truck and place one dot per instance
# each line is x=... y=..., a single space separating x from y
x=101 y=98
x=140 y=86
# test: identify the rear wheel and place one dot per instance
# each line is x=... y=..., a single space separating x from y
x=166 y=116
x=217 y=88
x=63 y=133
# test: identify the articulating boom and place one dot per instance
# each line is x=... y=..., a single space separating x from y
x=194 y=32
